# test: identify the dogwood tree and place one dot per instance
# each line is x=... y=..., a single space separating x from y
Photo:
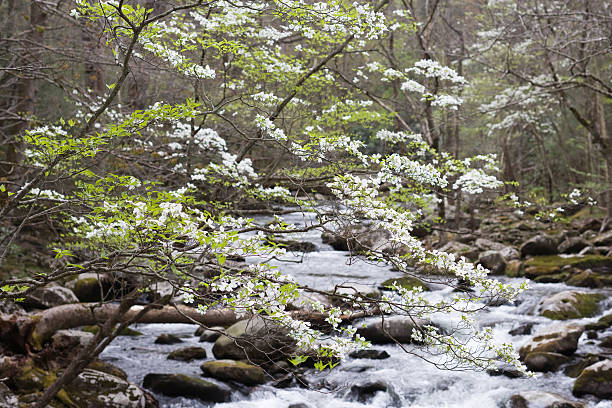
x=258 y=113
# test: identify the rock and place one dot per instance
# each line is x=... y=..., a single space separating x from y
x=49 y=296
x=31 y=378
x=509 y=253
x=484 y=244
x=574 y=370
x=95 y=389
x=459 y=249
x=305 y=300
x=396 y=329
x=541 y=399
x=406 y=282
x=562 y=339
x=543 y=361
x=596 y=380
x=572 y=245
x=585 y=279
x=570 y=305
x=91 y=287
x=180 y=385
x=604 y=239
x=493 y=261
x=300 y=405
x=603 y=323
x=9 y=307
x=256 y=340
x=513 y=268
x=554 y=278
x=230 y=370
x=108 y=368
x=212 y=334
x=539 y=245
x=364 y=392
x=70 y=339
x=125 y=332
x=506 y=371
x=370 y=354
x=7 y=398
x=522 y=329
x=292 y=245
x=188 y=354
x=167 y=338
x=607 y=342
x=358 y=238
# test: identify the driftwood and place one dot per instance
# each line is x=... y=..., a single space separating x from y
x=73 y=315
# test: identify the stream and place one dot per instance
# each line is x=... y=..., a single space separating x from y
x=411 y=382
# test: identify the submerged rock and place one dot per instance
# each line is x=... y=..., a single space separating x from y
x=596 y=380
x=562 y=339
x=188 y=354
x=570 y=305
x=180 y=385
x=167 y=338
x=230 y=370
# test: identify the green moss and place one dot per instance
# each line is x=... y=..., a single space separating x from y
x=580 y=262
x=602 y=324
x=513 y=269
x=406 y=282
x=188 y=354
x=553 y=278
x=584 y=305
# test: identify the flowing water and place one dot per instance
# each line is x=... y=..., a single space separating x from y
x=411 y=382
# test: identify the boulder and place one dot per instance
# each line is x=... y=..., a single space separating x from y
x=91 y=287
x=364 y=392
x=459 y=249
x=562 y=339
x=596 y=380
x=509 y=253
x=212 y=334
x=484 y=244
x=292 y=245
x=539 y=245
x=493 y=261
x=180 y=385
x=256 y=340
x=543 y=361
x=70 y=340
x=95 y=389
x=188 y=354
x=305 y=300
x=7 y=398
x=406 y=282
x=572 y=245
x=570 y=305
x=167 y=338
x=585 y=279
x=358 y=238
x=356 y=290
x=541 y=399
x=603 y=323
x=108 y=368
x=575 y=369
x=522 y=329
x=48 y=296
x=370 y=354
x=607 y=342
x=513 y=268
x=230 y=370
x=395 y=329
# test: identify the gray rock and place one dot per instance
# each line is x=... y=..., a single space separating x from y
x=604 y=239
x=543 y=361
x=167 y=338
x=49 y=296
x=395 y=329
x=364 y=392
x=493 y=261
x=541 y=399
x=188 y=354
x=95 y=389
x=460 y=249
x=70 y=339
x=509 y=253
x=370 y=354
x=560 y=338
x=572 y=245
x=180 y=385
x=255 y=340
x=212 y=334
x=484 y=244
x=539 y=245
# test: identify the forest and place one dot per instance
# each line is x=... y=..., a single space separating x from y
x=298 y=204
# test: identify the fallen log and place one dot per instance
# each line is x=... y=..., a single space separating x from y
x=61 y=317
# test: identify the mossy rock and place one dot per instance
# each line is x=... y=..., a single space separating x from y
x=585 y=279
x=32 y=378
x=580 y=262
x=180 y=385
x=596 y=380
x=554 y=278
x=534 y=272
x=602 y=324
x=230 y=370
x=513 y=268
x=543 y=361
x=571 y=305
x=406 y=282
x=108 y=368
x=573 y=370
x=94 y=329
x=188 y=354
